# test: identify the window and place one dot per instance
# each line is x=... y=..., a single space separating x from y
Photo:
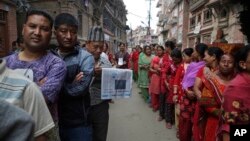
x=223 y=13
x=199 y=18
x=192 y=22
x=2 y=16
x=207 y=15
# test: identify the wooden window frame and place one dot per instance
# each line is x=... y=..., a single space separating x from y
x=205 y=19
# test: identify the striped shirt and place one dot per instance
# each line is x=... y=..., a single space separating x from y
x=22 y=92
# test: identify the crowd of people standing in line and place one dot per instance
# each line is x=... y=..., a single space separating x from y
x=202 y=90
x=56 y=91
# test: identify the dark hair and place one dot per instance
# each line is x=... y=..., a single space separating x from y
x=201 y=48
x=145 y=47
x=107 y=46
x=52 y=46
x=188 y=51
x=170 y=44
x=41 y=13
x=176 y=53
x=83 y=45
x=215 y=51
x=19 y=40
x=13 y=43
x=65 y=18
x=140 y=48
x=161 y=47
x=122 y=44
x=241 y=55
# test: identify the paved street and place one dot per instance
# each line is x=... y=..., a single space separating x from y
x=132 y=120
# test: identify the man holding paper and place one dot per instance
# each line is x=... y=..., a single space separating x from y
x=98 y=113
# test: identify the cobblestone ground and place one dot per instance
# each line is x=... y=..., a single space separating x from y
x=133 y=120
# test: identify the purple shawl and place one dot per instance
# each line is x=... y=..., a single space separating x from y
x=190 y=74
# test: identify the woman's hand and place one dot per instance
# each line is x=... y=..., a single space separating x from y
x=175 y=98
x=190 y=94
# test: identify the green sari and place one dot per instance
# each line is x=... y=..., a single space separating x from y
x=143 y=79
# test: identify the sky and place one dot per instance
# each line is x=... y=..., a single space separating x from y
x=138 y=11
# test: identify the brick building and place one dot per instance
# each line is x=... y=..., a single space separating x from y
x=111 y=14
x=114 y=23
x=172 y=24
x=8 y=28
x=207 y=16
x=140 y=36
x=199 y=20
x=87 y=12
x=163 y=27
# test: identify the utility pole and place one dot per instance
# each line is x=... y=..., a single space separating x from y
x=149 y=17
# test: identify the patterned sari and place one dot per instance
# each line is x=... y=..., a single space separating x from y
x=164 y=64
x=143 y=80
x=187 y=105
x=236 y=105
x=209 y=104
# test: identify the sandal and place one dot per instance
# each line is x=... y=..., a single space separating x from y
x=177 y=134
x=169 y=125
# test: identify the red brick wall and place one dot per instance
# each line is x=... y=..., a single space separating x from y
x=11 y=31
x=12 y=26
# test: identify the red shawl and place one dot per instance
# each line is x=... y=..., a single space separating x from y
x=236 y=103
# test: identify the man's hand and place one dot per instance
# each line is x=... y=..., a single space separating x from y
x=78 y=77
x=42 y=81
x=98 y=70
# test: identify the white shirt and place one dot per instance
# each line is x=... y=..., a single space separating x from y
x=104 y=55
